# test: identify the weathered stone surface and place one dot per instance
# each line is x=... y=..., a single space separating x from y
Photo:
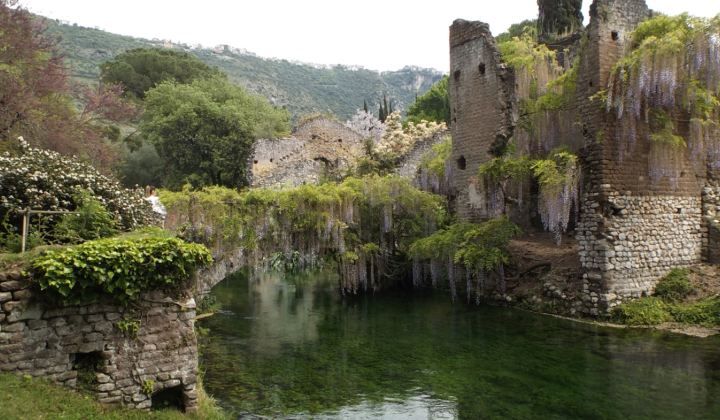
x=45 y=341
x=10 y=286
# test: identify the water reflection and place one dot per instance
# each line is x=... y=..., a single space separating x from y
x=294 y=347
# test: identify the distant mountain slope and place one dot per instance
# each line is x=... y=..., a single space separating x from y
x=302 y=88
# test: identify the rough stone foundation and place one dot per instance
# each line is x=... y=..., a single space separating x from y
x=44 y=340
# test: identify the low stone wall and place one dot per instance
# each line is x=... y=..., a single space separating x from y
x=49 y=341
x=629 y=242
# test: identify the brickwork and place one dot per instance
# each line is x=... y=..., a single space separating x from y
x=633 y=228
x=481 y=96
x=44 y=340
x=316 y=146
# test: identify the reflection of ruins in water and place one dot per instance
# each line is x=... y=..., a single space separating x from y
x=284 y=313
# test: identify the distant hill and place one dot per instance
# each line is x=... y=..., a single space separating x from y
x=302 y=88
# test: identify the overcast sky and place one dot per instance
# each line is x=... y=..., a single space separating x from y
x=376 y=34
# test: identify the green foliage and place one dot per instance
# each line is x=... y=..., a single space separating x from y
x=45 y=180
x=705 y=312
x=675 y=286
x=518 y=30
x=141 y=69
x=117 y=268
x=433 y=105
x=148 y=386
x=36 y=398
x=142 y=166
x=663 y=130
x=506 y=167
x=476 y=246
x=557 y=170
x=559 y=18
x=91 y=220
x=524 y=52
x=434 y=161
x=204 y=131
x=129 y=327
x=300 y=87
x=645 y=311
x=309 y=223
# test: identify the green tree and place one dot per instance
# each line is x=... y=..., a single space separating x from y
x=526 y=27
x=142 y=69
x=434 y=105
x=204 y=131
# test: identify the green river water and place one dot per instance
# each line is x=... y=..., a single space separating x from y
x=290 y=346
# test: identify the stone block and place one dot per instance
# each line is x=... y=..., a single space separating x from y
x=31 y=312
x=16 y=327
x=111 y=400
x=10 y=286
x=13 y=305
x=22 y=294
x=106 y=387
x=5 y=296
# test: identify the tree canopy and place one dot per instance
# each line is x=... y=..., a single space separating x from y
x=205 y=130
x=434 y=105
x=141 y=69
x=38 y=101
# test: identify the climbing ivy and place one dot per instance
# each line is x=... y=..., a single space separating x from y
x=118 y=269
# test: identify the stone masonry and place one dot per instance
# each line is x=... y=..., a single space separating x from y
x=481 y=97
x=317 y=146
x=50 y=341
x=631 y=229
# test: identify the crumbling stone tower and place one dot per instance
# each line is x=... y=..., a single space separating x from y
x=481 y=97
x=631 y=229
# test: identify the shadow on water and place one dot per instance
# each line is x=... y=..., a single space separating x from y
x=291 y=346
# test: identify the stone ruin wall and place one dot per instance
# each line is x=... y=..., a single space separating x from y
x=316 y=146
x=44 y=340
x=481 y=103
x=631 y=230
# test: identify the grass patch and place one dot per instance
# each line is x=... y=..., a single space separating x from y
x=669 y=305
x=675 y=286
x=644 y=311
x=25 y=398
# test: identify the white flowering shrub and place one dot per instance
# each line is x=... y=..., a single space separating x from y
x=397 y=140
x=45 y=180
x=366 y=125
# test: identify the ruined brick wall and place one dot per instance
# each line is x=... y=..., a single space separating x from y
x=632 y=229
x=316 y=146
x=47 y=341
x=481 y=97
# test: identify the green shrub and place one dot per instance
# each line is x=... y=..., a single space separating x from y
x=675 y=286
x=644 y=311
x=91 y=221
x=704 y=312
x=118 y=268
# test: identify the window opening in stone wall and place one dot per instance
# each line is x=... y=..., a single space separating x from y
x=461 y=163
x=339 y=140
x=679 y=210
x=87 y=366
x=255 y=162
x=169 y=398
x=481 y=68
x=614 y=35
x=456 y=75
x=271 y=160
